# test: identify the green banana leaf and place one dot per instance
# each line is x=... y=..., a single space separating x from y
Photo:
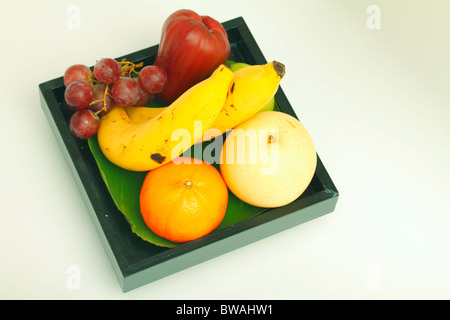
x=125 y=186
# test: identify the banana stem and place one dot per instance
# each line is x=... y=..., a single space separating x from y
x=279 y=68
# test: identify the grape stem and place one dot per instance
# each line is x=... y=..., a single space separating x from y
x=129 y=67
x=104 y=101
x=91 y=79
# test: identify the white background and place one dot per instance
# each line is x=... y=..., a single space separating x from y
x=376 y=103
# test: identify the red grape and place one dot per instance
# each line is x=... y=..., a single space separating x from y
x=144 y=98
x=84 y=124
x=107 y=70
x=76 y=72
x=99 y=93
x=152 y=79
x=79 y=94
x=125 y=92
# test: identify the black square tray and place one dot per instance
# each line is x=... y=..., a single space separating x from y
x=137 y=262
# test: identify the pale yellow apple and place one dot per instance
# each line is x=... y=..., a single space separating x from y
x=269 y=160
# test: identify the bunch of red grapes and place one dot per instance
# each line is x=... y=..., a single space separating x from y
x=93 y=94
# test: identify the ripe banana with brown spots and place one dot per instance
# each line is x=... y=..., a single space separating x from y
x=251 y=89
x=143 y=146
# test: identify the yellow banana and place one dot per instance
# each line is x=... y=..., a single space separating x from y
x=254 y=86
x=142 y=114
x=251 y=89
x=150 y=144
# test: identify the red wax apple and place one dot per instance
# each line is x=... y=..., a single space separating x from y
x=191 y=48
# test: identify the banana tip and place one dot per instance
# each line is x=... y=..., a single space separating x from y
x=279 y=68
